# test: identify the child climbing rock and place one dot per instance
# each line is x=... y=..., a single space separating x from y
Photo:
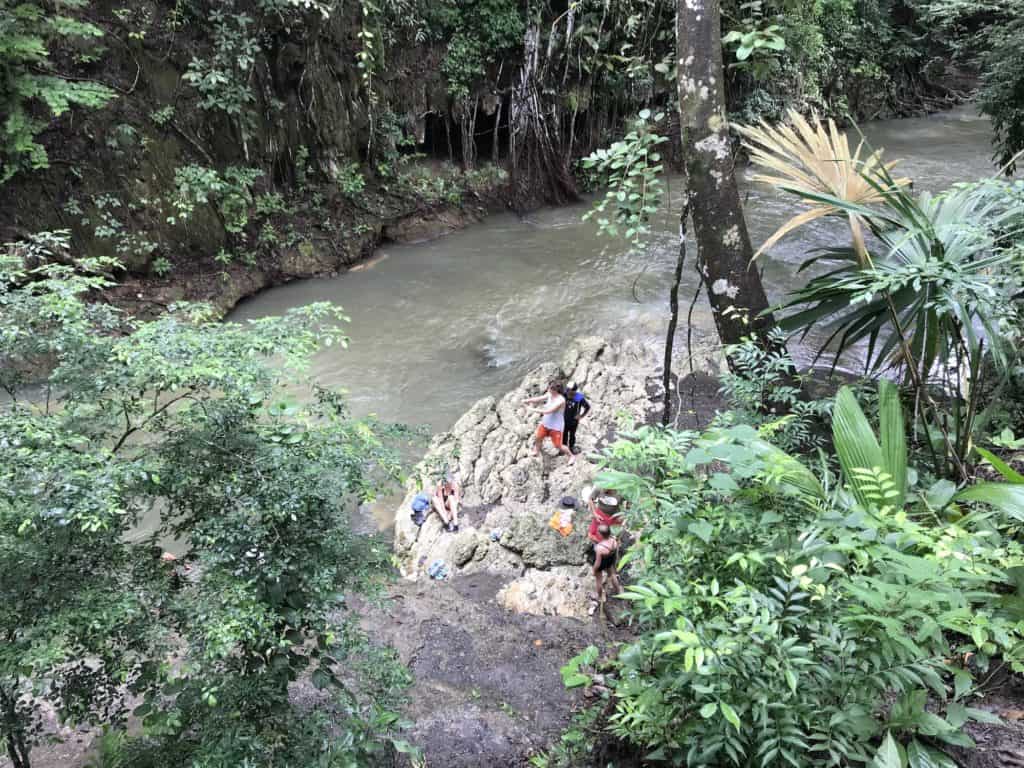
x=552 y=423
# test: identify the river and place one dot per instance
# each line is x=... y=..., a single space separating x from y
x=437 y=325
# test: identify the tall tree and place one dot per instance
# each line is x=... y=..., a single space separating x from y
x=712 y=201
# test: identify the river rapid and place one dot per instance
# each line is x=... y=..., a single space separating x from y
x=437 y=325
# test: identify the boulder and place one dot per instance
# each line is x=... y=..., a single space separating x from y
x=561 y=591
x=541 y=546
x=512 y=494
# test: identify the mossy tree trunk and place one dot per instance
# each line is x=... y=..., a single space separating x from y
x=724 y=253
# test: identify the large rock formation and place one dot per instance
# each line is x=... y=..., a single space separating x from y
x=510 y=496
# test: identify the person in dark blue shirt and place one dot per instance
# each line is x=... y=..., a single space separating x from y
x=576 y=407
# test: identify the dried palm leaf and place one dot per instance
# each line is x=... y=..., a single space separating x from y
x=813 y=160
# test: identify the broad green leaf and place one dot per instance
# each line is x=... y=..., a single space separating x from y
x=1009 y=473
x=855 y=441
x=962 y=683
x=575 y=680
x=888 y=754
x=893 y=435
x=791 y=680
x=729 y=714
x=922 y=756
x=702 y=530
x=939 y=494
x=1008 y=498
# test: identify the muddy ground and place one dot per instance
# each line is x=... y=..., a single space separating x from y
x=487 y=687
x=998 y=746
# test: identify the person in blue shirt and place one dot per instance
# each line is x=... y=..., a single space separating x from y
x=576 y=407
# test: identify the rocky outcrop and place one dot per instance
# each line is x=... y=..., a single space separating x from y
x=562 y=591
x=509 y=496
x=429 y=225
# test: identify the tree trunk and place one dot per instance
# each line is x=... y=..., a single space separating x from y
x=724 y=253
x=535 y=128
x=673 y=321
x=12 y=729
x=467 y=125
x=448 y=137
x=496 y=138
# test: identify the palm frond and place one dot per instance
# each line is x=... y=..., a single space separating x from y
x=813 y=160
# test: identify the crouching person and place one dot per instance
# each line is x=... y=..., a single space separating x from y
x=446 y=500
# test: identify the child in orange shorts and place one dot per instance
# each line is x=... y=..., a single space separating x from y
x=552 y=423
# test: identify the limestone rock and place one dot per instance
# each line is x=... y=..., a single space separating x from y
x=511 y=493
x=562 y=591
x=464 y=547
x=541 y=546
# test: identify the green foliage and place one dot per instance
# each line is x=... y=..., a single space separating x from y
x=756 y=41
x=1002 y=91
x=576 y=744
x=223 y=80
x=161 y=266
x=431 y=187
x=791 y=619
x=986 y=35
x=228 y=191
x=932 y=296
x=631 y=170
x=572 y=676
x=179 y=420
x=859 y=451
x=31 y=89
x=842 y=58
x=351 y=181
x=479 y=33
x=760 y=385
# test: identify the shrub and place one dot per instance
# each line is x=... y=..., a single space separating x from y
x=792 y=619
x=178 y=418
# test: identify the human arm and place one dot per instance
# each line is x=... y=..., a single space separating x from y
x=598 y=554
x=531 y=400
x=584 y=408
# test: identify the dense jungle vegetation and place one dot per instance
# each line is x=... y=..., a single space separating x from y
x=812 y=581
x=211 y=136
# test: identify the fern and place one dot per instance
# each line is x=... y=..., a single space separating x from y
x=28 y=86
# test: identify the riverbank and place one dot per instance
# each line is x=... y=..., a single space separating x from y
x=325 y=237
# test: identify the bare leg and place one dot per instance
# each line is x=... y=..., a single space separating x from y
x=563 y=448
x=536 y=446
x=438 y=503
x=456 y=502
x=598 y=584
x=613 y=578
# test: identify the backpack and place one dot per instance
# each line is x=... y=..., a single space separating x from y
x=420 y=508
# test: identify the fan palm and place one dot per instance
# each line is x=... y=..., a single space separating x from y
x=933 y=282
x=813 y=161
x=934 y=294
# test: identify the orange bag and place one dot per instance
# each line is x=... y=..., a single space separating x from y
x=562 y=522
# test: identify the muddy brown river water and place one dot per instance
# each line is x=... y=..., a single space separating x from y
x=437 y=325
